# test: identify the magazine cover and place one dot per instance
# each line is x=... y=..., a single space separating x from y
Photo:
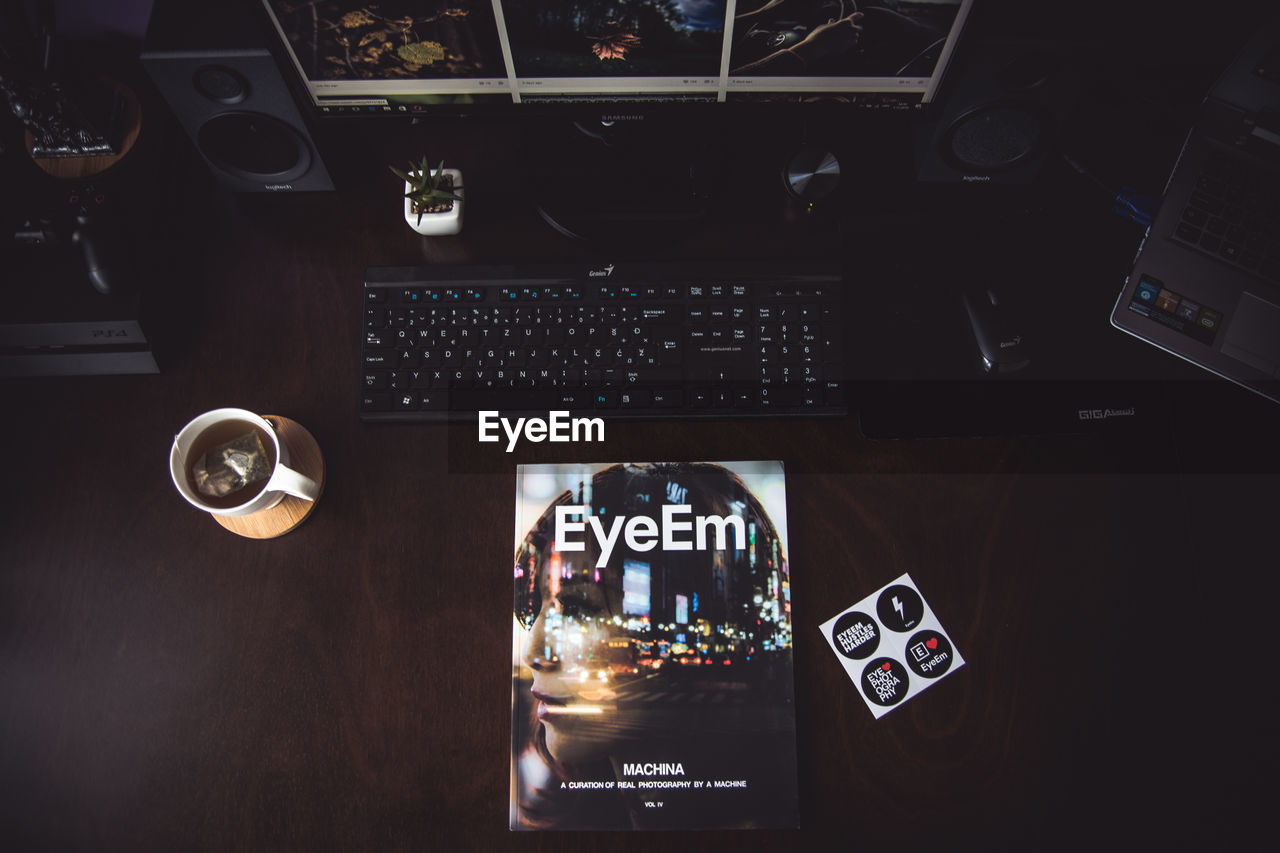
x=651 y=657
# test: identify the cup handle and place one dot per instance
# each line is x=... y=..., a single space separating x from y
x=291 y=482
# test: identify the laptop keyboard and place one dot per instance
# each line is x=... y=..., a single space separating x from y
x=1234 y=214
x=639 y=341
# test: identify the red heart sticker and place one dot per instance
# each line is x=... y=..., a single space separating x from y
x=885 y=666
x=932 y=642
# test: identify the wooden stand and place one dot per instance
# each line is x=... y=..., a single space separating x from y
x=77 y=168
x=305 y=458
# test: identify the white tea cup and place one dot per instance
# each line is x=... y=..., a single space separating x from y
x=217 y=427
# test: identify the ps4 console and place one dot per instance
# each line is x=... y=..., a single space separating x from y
x=56 y=319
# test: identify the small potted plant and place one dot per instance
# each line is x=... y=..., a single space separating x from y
x=432 y=200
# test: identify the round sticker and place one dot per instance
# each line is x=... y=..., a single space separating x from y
x=929 y=654
x=900 y=608
x=885 y=681
x=856 y=635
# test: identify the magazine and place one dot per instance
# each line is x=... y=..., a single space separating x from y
x=652 y=681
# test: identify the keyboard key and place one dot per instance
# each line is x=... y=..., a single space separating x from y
x=780 y=397
x=1188 y=232
x=375 y=402
x=633 y=398
x=667 y=398
x=433 y=401
x=572 y=398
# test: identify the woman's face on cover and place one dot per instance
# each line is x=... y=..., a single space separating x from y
x=569 y=653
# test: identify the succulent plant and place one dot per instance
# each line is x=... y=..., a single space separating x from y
x=430 y=192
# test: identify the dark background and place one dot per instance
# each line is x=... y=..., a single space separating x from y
x=165 y=684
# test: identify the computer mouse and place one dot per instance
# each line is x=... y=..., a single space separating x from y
x=1000 y=335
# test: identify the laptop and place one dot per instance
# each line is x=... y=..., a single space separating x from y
x=1205 y=284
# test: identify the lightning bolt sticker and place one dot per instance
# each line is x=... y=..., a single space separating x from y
x=900 y=608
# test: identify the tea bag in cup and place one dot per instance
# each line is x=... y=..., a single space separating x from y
x=230 y=467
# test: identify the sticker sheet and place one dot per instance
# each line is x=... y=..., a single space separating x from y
x=892 y=645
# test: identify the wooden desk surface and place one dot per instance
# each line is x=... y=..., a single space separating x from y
x=165 y=684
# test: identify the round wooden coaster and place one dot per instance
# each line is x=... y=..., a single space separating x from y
x=305 y=458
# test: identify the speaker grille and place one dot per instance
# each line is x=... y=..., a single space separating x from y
x=994 y=137
x=254 y=146
x=220 y=84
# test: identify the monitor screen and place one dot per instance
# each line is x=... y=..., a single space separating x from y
x=423 y=56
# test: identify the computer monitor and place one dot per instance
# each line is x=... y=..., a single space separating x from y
x=425 y=56
x=626 y=106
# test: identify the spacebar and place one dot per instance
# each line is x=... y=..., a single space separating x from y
x=519 y=399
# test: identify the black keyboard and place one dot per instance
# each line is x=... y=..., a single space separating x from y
x=442 y=343
x=1234 y=214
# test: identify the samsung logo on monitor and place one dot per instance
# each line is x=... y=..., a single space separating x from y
x=612 y=118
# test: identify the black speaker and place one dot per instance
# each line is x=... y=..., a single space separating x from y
x=228 y=91
x=1002 y=108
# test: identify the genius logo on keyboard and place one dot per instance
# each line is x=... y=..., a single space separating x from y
x=557 y=427
x=603 y=273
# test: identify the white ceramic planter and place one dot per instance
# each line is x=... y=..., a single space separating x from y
x=435 y=224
